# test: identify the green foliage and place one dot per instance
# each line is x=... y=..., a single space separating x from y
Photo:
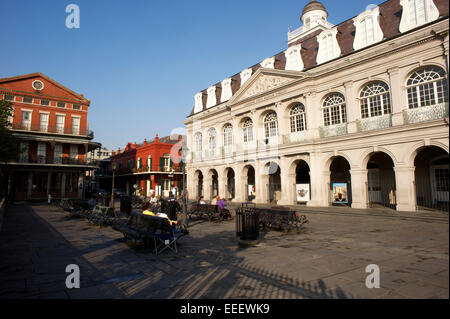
x=8 y=143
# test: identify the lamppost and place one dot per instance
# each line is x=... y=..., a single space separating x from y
x=111 y=204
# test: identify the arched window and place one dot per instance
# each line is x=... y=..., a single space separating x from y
x=271 y=125
x=297 y=118
x=427 y=86
x=198 y=142
x=375 y=100
x=228 y=135
x=334 y=111
x=247 y=128
x=212 y=138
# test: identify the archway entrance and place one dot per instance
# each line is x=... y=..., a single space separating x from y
x=230 y=189
x=302 y=183
x=340 y=182
x=250 y=186
x=274 y=182
x=431 y=178
x=381 y=181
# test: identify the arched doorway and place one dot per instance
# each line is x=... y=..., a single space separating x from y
x=381 y=181
x=230 y=184
x=198 y=177
x=340 y=182
x=274 y=182
x=431 y=178
x=302 y=182
x=250 y=186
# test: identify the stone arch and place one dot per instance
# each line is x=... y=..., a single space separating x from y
x=229 y=179
x=249 y=179
x=365 y=157
x=416 y=148
x=329 y=159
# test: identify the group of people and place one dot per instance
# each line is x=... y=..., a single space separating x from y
x=221 y=202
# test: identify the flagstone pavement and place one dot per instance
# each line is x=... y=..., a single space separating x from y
x=328 y=259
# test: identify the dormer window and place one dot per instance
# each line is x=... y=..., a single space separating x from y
x=245 y=75
x=226 y=90
x=268 y=63
x=416 y=13
x=198 y=102
x=294 y=60
x=212 y=100
x=368 y=30
x=328 y=46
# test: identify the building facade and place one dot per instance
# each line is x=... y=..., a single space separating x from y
x=354 y=114
x=150 y=166
x=50 y=122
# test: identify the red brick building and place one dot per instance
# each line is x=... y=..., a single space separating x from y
x=150 y=166
x=50 y=121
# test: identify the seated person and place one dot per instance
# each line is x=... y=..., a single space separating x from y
x=222 y=203
x=91 y=203
x=214 y=201
x=146 y=209
x=201 y=201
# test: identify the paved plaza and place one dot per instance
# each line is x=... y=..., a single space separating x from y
x=327 y=260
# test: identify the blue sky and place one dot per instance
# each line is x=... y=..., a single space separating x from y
x=141 y=62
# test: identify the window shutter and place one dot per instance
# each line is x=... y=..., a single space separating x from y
x=161 y=164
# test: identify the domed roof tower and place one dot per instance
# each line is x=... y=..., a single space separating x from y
x=313 y=14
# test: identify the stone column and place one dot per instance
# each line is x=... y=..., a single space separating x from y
x=286 y=183
x=319 y=181
x=30 y=185
x=359 y=188
x=352 y=106
x=397 y=92
x=63 y=185
x=405 y=189
x=207 y=187
x=239 y=185
x=261 y=179
x=313 y=115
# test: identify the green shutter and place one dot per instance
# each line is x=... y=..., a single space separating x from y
x=161 y=164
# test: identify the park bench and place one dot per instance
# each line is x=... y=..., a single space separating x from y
x=211 y=212
x=145 y=228
x=102 y=216
x=278 y=218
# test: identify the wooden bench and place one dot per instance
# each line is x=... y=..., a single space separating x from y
x=211 y=212
x=140 y=227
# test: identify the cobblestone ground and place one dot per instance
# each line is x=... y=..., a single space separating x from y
x=327 y=260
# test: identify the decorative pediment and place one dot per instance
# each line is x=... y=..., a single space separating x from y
x=264 y=81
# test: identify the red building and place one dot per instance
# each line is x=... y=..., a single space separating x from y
x=50 y=121
x=149 y=166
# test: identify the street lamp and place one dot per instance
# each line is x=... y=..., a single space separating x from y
x=111 y=204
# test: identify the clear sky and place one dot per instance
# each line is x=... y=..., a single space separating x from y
x=141 y=62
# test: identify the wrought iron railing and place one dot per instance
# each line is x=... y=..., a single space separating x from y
x=52 y=129
x=374 y=123
x=426 y=113
x=333 y=130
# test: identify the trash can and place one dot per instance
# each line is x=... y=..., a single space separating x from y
x=247 y=224
x=172 y=210
x=125 y=205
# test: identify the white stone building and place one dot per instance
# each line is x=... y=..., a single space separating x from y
x=353 y=114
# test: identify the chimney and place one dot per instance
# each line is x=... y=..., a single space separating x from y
x=145 y=141
x=156 y=139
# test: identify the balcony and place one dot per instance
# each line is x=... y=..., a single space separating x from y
x=52 y=129
x=197 y=156
x=374 y=123
x=40 y=159
x=333 y=130
x=426 y=113
x=294 y=137
x=147 y=169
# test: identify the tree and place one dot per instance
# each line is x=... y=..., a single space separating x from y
x=8 y=143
